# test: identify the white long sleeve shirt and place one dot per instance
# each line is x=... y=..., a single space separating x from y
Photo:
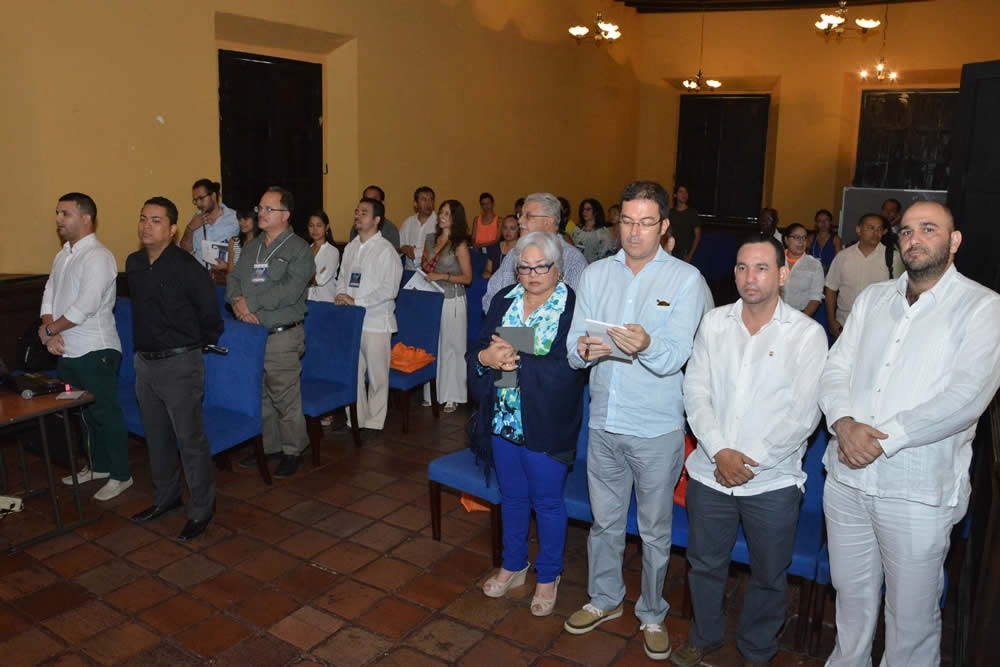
x=370 y=273
x=923 y=374
x=327 y=261
x=755 y=394
x=414 y=233
x=81 y=287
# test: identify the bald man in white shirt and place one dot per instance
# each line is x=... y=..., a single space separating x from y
x=903 y=389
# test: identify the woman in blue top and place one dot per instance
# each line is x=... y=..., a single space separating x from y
x=825 y=243
x=529 y=432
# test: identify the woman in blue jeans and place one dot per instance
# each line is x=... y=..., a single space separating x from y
x=529 y=432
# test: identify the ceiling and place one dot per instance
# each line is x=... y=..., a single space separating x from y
x=673 y=6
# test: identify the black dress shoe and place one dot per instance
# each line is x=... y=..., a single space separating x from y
x=156 y=511
x=193 y=529
x=251 y=461
x=289 y=466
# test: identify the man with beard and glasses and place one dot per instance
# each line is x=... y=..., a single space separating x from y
x=916 y=365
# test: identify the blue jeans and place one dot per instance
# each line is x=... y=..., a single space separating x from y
x=531 y=480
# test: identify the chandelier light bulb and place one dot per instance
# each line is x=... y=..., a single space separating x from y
x=832 y=19
x=864 y=74
x=578 y=31
x=867 y=24
x=600 y=31
x=713 y=83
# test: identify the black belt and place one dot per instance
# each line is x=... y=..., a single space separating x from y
x=166 y=354
x=283 y=327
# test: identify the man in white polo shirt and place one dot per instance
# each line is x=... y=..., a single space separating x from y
x=750 y=395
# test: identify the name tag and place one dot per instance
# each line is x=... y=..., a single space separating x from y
x=355 y=279
x=259 y=274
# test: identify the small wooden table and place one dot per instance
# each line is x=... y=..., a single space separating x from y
x=15 y=410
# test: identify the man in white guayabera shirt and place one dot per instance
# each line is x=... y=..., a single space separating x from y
x=903 y=388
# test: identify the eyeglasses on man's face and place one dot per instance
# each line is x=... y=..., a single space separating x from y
x=645 y=223
x=196 y=200
x=541 y=269
x=267 y=209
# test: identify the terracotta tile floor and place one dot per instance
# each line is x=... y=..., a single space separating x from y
x=333 y=567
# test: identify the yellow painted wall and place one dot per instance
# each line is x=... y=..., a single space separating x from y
x=118 y=98
x=816 y=95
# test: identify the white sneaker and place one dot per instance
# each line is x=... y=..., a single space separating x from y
x=85 y=474
x=112 y=489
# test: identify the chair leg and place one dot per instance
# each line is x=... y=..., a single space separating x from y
x=816 y=625
x=315 y=430
x=434 y=399
x=405 y=400
x=355 y=429
x=806 y=591
x=258 y=450
x=434 y=489
x=496 y=534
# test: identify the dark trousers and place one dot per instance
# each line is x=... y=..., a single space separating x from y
x=105 y=436
x=170 y=392
x=769 y=520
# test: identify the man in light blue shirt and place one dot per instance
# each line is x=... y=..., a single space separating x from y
x=213 y=222
x=540 y=213
x=654 y=303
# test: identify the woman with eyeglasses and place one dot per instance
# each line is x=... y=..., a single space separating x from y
x=825 y=243
x=528 y=432
x=323 y=286
x=447 y=262
x=591 y=236
x=804 y=288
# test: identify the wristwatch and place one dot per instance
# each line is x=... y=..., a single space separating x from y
x=48 y=332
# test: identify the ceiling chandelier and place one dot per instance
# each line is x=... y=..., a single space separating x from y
x=696 y=82
x=881 y=72
x=836 y=22
x=602 y=31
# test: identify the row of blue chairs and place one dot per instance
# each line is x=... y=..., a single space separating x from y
x=460 y=471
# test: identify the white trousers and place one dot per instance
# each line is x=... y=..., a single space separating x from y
x=904 y=543
x=373 y=402
x=451 y=368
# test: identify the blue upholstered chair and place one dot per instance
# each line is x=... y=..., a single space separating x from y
x=233 y=383
x=460 y=471
x=418 y=317
x=474 y=306
x=330 y=366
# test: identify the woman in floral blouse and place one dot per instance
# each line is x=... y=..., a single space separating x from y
x=529 y=432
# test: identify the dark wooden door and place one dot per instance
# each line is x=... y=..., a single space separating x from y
x=721 y=146
x=974 y=197
x=271 y=130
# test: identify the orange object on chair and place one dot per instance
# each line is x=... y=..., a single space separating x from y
x=680 y=491
x=407 y=358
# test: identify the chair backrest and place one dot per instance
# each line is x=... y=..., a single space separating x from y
x=813 y=467
x=220 y=295
x=581 y=439
x=474 y=294
x=123 y=322
x=418 y=316
x=233 y=381
x=333 y=342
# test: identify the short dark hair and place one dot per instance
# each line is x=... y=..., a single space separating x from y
x=378 y=208
x=166 y=204
x=825 y=212
x=83 y=202
x=487 y=195
x=287 y=200
x=787 y=231
x=380 y=191
x=518 y=202
x=213 y=187
x=877 y=216
x=899 y=207
x=423 y=188
x=648 y=190
x=779 y=252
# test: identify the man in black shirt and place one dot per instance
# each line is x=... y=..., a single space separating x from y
x=174 y=313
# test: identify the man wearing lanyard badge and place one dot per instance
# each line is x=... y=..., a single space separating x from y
x=268 y=287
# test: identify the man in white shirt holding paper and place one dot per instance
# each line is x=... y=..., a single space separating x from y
x=413 y=233
x=903 y=389
x=369 y=277
x=750 y=394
